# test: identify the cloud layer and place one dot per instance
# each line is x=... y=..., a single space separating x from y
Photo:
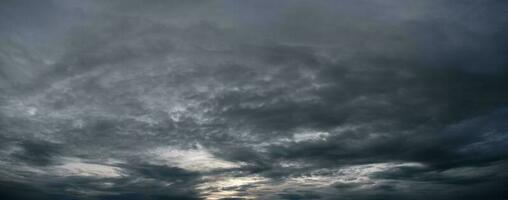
x=346 y=99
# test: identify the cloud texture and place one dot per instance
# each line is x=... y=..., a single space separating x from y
x=348 y=99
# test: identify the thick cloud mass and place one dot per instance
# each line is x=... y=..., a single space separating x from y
x=291 y=99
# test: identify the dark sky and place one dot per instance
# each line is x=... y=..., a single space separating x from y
x=254 y=99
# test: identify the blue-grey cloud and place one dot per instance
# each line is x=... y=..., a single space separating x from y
x=253 y=99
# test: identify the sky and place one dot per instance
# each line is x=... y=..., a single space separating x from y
x=253 y=99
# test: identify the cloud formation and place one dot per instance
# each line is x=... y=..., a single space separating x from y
x=348 y=99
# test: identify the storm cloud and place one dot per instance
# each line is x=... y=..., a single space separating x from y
x=291 y=99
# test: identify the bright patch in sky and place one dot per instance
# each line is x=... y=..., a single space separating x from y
x=78 y=168
x=197 y=159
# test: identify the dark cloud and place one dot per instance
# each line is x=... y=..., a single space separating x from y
x=259 y=99
x=37 y=153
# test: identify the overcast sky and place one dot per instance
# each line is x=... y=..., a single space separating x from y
x=254 y=99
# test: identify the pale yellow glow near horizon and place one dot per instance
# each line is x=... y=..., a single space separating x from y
x=227 y=187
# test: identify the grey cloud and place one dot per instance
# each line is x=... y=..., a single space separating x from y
x=258 y=99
